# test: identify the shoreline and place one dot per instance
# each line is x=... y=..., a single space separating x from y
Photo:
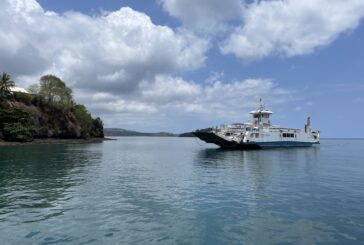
x=51 y=141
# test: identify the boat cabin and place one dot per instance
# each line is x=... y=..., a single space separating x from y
x=261 y=118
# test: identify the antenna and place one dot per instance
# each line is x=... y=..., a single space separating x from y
x=261 y=104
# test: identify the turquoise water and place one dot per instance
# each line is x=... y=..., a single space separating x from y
x=174 y=191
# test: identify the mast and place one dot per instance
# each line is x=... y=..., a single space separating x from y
x=261 y=104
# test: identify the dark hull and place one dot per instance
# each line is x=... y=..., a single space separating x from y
x=210 y=137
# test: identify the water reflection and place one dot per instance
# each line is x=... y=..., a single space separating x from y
x=252 y=182
x=169 y=191
x=38 y=177
x=266 y=228
x=259 y=163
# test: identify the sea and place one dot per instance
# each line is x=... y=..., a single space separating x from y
x=146 y=190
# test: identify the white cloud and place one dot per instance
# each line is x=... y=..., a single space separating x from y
x=174 y=100
x=110 y=53
x=124 y=67
x=167 y=89
x=291 y=27
x=204 y=15
x=126 y=106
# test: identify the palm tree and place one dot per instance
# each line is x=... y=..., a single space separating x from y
x=5 y=84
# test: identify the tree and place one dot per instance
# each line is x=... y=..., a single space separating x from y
x=55 y=91
x=5 y=84
x=16 y=125
x=34 y=89
x=85 y=120
x=97 y=130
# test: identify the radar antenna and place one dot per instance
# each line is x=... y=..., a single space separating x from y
x=261 y=104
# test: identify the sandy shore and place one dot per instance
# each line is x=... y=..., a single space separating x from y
x=56 y=141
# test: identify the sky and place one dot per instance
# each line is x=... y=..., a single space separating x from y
x=180 y=65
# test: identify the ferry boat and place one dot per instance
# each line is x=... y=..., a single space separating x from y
x=259 y=134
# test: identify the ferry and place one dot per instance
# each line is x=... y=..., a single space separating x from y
x=259 y=134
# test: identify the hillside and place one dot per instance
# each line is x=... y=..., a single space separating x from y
x=25 y=120
x=124 y=132
x=25 y=117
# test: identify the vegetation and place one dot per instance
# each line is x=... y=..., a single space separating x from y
x=47 y=111
x=55 y=91
x=84 y=118
x=5 y=85
x=15 y=125
x=97 y=128
x=34 y=89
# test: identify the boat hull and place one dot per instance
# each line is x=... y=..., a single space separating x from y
x=210 y=137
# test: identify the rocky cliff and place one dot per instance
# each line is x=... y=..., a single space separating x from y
x=24 y=117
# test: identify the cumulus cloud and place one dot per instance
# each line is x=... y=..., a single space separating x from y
x=111 y=53
x=125 y=68
x=291 y=27
x=173 y=99
x=281 y=27
x=167 y=89
x=204 y=15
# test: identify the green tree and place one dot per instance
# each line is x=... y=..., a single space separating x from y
x=16 y=125
x=5 y=84
x=85 y=120
x=97 y=130
x=34 y=89
x=18 y=132
x=55 y=91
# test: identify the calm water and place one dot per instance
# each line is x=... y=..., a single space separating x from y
x=174 y=191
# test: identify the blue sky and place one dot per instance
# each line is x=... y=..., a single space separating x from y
x=177 y=65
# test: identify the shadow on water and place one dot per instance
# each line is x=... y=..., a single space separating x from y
x=261 y=195
x=38 y=176
x=260 y=163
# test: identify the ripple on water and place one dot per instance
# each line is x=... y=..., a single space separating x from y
x=172 y=191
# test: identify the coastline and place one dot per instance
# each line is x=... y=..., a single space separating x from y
x=56 y=141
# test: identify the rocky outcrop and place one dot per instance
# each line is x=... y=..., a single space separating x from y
x=26 y=119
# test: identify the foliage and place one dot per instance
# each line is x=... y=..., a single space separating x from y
x=18 y=132
x=16 y=125
x=5 y=84
x=53 y=112
x=4 y=104
x=84 y=118
x=34 y=89
x=22 y=97
x=97 y=130
x=55 y=91
x=38 y=101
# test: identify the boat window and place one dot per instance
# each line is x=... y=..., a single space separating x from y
x=287 y=135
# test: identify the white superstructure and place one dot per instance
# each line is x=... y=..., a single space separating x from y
x=259 y=133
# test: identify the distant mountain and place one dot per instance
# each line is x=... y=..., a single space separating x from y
x=188 y=134
x=124 y=132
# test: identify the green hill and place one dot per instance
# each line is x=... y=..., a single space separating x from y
x=49 y=112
